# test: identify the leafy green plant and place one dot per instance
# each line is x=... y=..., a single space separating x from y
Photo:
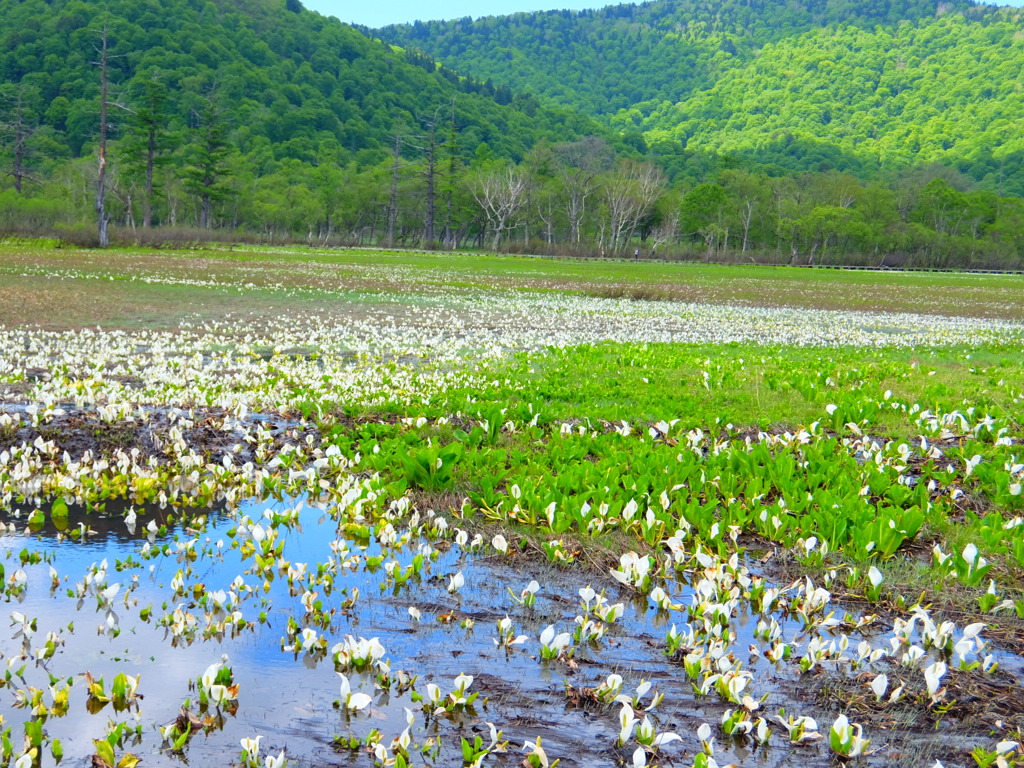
x=432 y=468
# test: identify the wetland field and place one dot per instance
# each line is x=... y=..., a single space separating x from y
x=287 y=507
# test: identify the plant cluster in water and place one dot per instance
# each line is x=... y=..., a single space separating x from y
x=401 y=542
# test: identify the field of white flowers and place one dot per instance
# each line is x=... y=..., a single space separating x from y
x=462 y=526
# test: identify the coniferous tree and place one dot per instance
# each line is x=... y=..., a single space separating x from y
x=395 y=173
x=17 y=130
x=147 y=138
x=428 y=173
x=205 y=177
x=451 y=148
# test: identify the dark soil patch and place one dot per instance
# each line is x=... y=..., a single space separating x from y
x=78 y=433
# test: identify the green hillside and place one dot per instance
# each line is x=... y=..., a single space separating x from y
x=604 y=60
x=786 y=86
x=946 y=90
x=294 y=78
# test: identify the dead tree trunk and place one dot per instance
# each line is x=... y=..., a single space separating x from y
x=393 y=197
x=101 y=180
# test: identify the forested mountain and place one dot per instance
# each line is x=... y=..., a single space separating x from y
x=232 y=96
x=613 y=58
x=787 y=85
x=780 y=131
x=946 y=91
x=292 y=78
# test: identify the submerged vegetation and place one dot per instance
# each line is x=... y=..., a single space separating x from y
x=459 y=525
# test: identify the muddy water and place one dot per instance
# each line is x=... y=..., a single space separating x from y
x=288 y=698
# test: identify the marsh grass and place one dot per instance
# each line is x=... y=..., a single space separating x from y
x=970 y=698
x=145 y=287
x=909 y=580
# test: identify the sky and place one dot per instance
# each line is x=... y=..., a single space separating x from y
x=383 y=12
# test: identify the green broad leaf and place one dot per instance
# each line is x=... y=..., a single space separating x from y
x=34 y=732
x=119 y=687
x=180 y=741
x=104 y=751
x=114 y=737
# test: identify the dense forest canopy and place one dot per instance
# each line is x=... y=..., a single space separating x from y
x=613 y=58
x=295 y=80
x=870 y=87
x=814 y=132
x=227 y=95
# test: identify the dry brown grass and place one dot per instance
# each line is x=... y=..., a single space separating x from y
x=69 y=287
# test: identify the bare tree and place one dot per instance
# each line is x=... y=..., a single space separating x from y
x=501 y=194
x=667 y=229
x=630 y=191
x=580 y=162
x=748 y=199
x=396 y=168
x=428 y=172
x=546 y=203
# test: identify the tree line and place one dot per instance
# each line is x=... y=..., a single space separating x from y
x=576 y=197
